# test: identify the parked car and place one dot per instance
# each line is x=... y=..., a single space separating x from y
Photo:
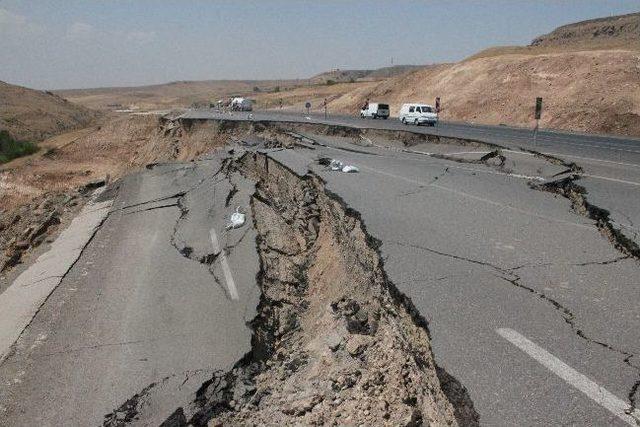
x=375 y=110
x=241 y=104
x=418 y=114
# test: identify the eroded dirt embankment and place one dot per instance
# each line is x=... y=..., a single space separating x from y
x=334 y=341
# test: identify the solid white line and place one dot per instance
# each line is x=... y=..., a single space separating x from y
x=635 y=165
x=228 y=277
x=465 y=152
x=478 y=198
x=485 y=171
x=574 y=378
x=622 y=181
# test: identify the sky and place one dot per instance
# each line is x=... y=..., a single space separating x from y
x=95 y=43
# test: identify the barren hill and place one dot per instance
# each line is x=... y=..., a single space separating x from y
x=35 y=115
x=587 y=86
x=350 y=76
x=594 y=91
x=173 y=94
x=604 y=31
x=588 y=74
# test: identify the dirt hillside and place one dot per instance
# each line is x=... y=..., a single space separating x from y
x=173 y=94
x=602 y=31
x=35 y=115
x=587 y=85
x=350 y=76
x=591 y=91
x=588 y=74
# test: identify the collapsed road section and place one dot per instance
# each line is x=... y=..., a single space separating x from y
x=334 y=342
x=301 y=316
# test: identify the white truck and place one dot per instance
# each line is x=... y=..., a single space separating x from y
x=375 y=110
x=418 y=114
x=241 y=104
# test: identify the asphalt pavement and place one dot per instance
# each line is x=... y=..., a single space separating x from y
x=146 y=305
x=482 y=253
x=611 y=163
x=529 y=306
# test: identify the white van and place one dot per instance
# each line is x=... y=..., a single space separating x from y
x=375 y=110
x=418 y=114
x=241 y=104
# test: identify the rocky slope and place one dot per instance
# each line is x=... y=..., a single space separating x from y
x=601 y=31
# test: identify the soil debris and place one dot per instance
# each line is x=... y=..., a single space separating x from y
x=334 y=341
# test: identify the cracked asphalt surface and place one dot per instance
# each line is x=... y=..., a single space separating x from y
x=134 y=310
x=478 y=252
x=473 y=246
x=611 y=164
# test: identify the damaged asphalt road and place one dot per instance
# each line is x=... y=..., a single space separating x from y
x=478 y=252
x=163 y=299
x=146 y=303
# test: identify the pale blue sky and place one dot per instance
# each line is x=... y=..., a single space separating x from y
x=92 y=43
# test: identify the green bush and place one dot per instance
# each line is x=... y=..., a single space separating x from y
x=11 y=149
x=330 y=82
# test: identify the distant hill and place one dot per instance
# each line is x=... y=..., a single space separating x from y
x=587 y=74
x=615 y=30
x=202 y=92
x=172 y=94
x=346 y=76
x=34 y=115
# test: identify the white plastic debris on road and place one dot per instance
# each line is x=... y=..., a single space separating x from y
x=336 y=165
x=237 y=219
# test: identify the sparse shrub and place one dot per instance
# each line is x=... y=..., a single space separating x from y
x=256 y=89
x=276 y=89
x=330 y=82
x=11 y=149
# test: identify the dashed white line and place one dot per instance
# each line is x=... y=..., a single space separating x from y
x=593 y=391
x=226 y=270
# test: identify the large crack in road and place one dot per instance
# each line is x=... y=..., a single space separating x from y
x=334 y=341
x=333 y=336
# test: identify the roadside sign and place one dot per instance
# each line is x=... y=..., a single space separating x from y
x=307 y=106
x=538 y=114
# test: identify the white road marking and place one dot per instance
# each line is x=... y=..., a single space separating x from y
x=490 y=172
x=228 y=277
x=561 y=155
x=606 y=178
x=574 y=378
x=478 y=198
x=465 y=152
